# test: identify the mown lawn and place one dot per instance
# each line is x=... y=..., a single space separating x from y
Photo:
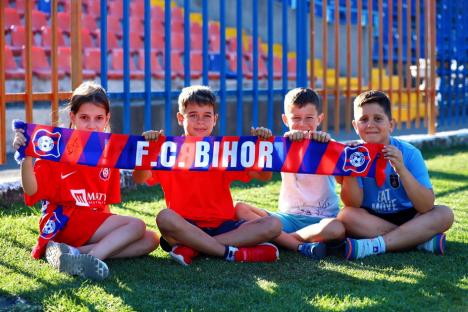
x=391 y=282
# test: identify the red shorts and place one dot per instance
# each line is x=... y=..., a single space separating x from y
x=81 y=226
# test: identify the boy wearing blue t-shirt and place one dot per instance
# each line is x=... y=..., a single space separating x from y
x=401 y=214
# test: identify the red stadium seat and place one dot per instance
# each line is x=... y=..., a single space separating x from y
x=196 y=28
x=177 y=14
x=93 y=7
x=136 y=25
x=92 y=59
x=291 y=68
x=12 y=18
x=232 y=67
x=116 y=68
x=196 y=42
x=156 y=69
x=114 y=25
x=40 y=64
x=86 y=39
x=112 y=41
x=196 y=66
x=18 y=38
x=177 y=42
x=157 y=14
x=177 y=68
x=115 y=8
x=136 y=43
x=157 y=41
x=277 y=67
x=137 y=8
x=46 y=34
x=64 y=63
x=39 y=20
x=89 y=22
x=12 y=71
x=64 y=21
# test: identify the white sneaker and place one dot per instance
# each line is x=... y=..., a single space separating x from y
x=83 y=265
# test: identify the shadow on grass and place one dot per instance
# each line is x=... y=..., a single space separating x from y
x=441 y=151
x=412 y=280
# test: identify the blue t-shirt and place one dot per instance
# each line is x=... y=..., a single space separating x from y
x=392 y=197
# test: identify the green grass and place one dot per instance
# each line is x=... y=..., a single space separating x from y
x=401 y=281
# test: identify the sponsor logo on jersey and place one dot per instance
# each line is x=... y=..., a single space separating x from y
x=87 y=199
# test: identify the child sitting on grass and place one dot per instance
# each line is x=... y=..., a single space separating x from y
x=401 y=214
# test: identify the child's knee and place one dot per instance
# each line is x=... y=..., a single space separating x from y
x=273 y=226
x=151 y=241
x=241 y=209
x=347 y=215
x=335 y=230
x=138 y=227
x=166 y=220
x=445 y=217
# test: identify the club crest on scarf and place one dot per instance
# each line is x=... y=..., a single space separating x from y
x=356 y=159
x=46 y=143
x=55 y=223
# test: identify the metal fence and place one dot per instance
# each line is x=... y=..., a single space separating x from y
x=340 y=48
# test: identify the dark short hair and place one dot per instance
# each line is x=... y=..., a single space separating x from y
x=374 y=97
x=201 y=95
x=301 y=97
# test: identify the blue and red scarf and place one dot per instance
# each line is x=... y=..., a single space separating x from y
x=232 y=153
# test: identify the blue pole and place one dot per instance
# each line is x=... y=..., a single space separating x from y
x=299 y=39
x=167 y=64
x=147 y=45
x=285 y=50
x=104 y=43
x=222 y=91
x=255 y=62
x=240 y=101
x=187 y=43
x=270 y=65
x=205 y=42
x=126 y=67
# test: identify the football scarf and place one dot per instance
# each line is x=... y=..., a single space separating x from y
x=231 y=153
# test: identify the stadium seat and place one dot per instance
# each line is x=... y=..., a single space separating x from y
x=12 y=18
x=157 y=26
x=40 y=64
x=177 y=42
x=114 y=25
x=86 y=39
x=17 y=38
x=177 y=14
x=64 y=21
x=196 y=42
x=232 y=67
x=89 y=22
x=157 y=42
x=93 y=7
x=196 y=66
x=39 y=20
x=115 y=8
x=12 y=71
x=137 y=8
x=136 y=25
x=19 y=6
x=112 y=42
x=156 y=69
x=157 y=14
x=46 y=35
x=116 y=66
x=277 y=67
x=214 y=44
x=177 y=26
x=64 y=63
x=177 y=67
x=195 y=29
x=92 y=59
x=136 y=43
x=292 y=68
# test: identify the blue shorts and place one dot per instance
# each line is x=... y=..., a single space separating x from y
x=294 y=222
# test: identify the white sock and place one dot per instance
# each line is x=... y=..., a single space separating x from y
x=74 y=251
x=371 y=246
x=427 y=246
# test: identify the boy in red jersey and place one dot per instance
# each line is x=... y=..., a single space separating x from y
x=200 y=215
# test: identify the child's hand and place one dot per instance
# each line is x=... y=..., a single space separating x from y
x=295 y=135
x=152 y=135
x=262 y=133
x=19 y=140
x=395 y=157
x=319 y=136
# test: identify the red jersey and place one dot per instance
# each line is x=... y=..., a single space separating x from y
x=200 y=196
x=75 y=186
x=75 y=201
